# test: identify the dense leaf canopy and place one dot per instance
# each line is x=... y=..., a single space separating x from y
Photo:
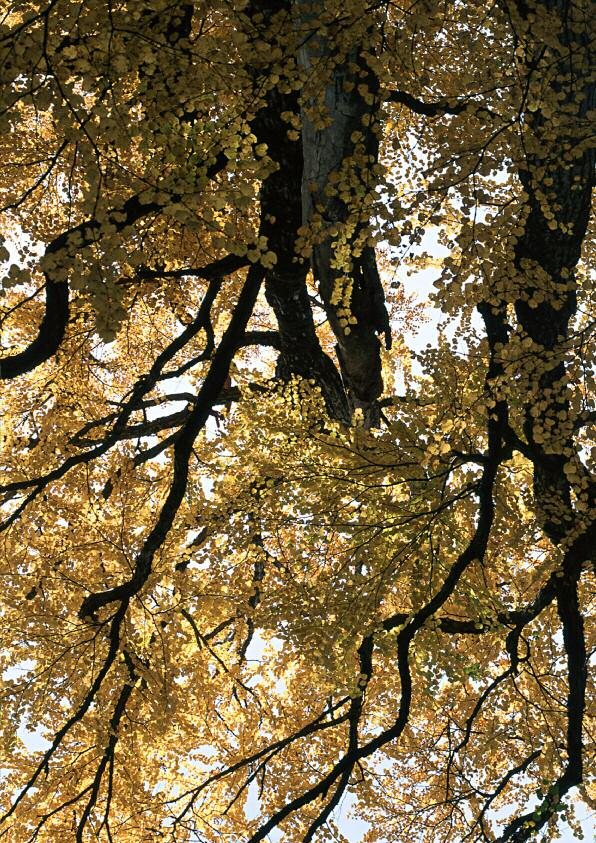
x=264 y=561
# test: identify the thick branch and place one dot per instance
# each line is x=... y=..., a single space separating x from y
x=285 y=286
x=53 y=325
x=211 y=388
x=349 y=140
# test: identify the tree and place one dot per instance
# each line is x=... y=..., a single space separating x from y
x=252 y=549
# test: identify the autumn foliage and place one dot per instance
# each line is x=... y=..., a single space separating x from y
x=265 y=561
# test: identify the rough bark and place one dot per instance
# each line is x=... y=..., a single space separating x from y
x=285 y=287
x=349 y=133
x=569 y=178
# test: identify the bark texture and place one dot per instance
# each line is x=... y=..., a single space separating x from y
x=341 y=82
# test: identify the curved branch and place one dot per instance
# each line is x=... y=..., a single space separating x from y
x=208 y=394
x=53 y=325
x=49 y=338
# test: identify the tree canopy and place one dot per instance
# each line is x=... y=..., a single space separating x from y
x=261 y=559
